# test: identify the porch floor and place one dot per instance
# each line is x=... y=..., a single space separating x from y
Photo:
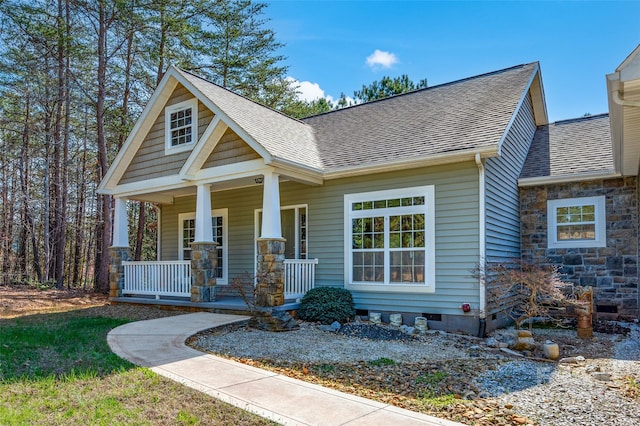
x=226 y=305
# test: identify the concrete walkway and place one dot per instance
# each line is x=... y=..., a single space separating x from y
x=159 y=345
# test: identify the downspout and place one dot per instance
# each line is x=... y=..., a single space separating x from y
x=615 y=96
x=482 y=326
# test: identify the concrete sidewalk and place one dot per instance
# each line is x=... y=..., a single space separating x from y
x=159 y=345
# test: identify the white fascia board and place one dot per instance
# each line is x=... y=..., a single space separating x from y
x=629 y=69
x=578 y=177
x=204 y=176
x=128 y=150
x=297 y=171
x=207 y=143
x=412 y=163
x=228 y=121
x=231 y=171
x=538 y=98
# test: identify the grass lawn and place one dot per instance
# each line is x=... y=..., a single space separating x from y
x=57 y=369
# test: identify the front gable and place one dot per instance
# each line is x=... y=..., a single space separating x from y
x=153 y=160
x=230 y=149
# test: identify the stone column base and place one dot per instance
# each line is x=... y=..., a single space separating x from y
x=204 y=260
x=117 y=255
x=270 y=266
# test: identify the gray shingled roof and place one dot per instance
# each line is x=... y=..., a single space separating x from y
x=466 y=114
x=582 y=145
x=283 y=137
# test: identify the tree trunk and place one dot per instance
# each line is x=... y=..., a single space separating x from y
x=105 y=224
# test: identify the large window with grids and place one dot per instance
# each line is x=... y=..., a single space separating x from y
x=389 y=240
x=576 y=222
x=181 y=130
x=187 y=228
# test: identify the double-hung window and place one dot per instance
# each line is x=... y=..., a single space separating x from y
x=389 y=240
x=181 y=130
x=576 y=222
x=187 y=227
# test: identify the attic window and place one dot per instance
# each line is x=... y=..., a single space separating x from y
x=181 y=129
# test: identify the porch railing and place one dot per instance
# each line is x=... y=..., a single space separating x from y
x=299 y=277
x=162 y=278
x=173 y=278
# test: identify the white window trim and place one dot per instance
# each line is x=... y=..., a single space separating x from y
x=191 y=103
x=600 y=222
x=297 y=207
x=224 y=213
x=428 y=192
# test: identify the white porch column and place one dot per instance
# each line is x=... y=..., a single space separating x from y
x=120 y=223
x=203 y=231
x=271 y=227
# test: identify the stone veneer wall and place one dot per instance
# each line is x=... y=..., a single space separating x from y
x=117 y=255
x=612 y=271
x=270 y=279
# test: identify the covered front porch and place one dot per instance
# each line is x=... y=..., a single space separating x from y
x=205 y=274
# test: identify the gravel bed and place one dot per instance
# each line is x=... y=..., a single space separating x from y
x=518 y=390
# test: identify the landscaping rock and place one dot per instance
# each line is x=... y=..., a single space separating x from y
x=395 y=320
x=332 y=328
x=572 y=360
x=603 y=377
x=421 y=324
x=273 y=321
x=525 y=342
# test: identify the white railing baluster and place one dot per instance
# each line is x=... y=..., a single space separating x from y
x=299 y=277
x=163 y=278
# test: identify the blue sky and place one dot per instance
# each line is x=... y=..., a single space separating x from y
x=327 y=44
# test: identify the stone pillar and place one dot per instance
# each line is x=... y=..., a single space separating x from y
x=204 y=260
x=117 y=255
x=270 y=279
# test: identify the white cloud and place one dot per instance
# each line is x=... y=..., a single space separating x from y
x=309 y=91
x=382 y=59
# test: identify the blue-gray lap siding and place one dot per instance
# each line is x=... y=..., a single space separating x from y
x=502 y=193
x=456 y=234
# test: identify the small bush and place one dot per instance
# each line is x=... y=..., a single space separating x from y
x=381 y=361
x=327 y=304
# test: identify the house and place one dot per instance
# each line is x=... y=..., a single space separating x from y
x=579 y=197
x=397 y=200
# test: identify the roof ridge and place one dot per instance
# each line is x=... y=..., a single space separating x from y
x=238 y=94
x=449 y=83
x=583 y=118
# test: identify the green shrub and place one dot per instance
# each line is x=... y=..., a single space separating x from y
x=327 y=304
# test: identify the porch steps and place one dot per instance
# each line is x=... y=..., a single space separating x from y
x=227 y=305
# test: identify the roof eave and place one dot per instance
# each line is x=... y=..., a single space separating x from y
x=567 y=178
x=412 y=163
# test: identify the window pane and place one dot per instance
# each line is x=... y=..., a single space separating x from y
x=380 y=204
x=393 y=203
x=356 y=206
x=576 y=232
x=394 y=223
x=394 y=240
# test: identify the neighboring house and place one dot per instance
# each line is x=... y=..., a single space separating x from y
x=397 y=200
